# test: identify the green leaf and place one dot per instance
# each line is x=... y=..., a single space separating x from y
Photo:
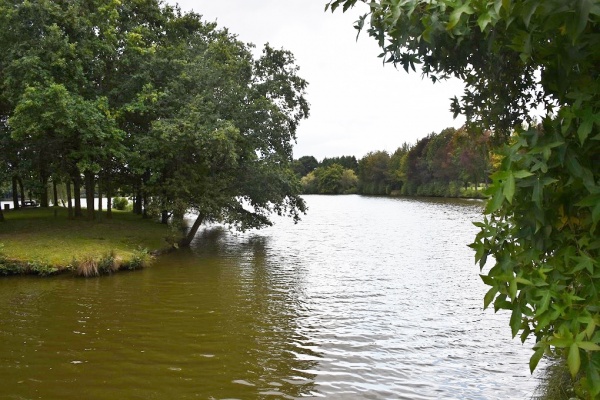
x=589 y=330
x=489 y=297
x=515 y=320
x=457 y=13
x=544 y=303
x=529 y=11
x=582 y=12
x=537 y=194
x=589 y=201
x=522 y=174
x=483 y=21
x=574 y=166
x=589 y=346
x=593 y=378
x=535 y=359
x=495 y=202
x=560 y=342
x=512 y=289
x=585 y=128
x=596 y=214
x=487 y=280
x=574 y=360
x=509 y=188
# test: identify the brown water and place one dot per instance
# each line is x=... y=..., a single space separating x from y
x=367 y=298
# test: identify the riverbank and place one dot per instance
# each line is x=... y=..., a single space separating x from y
x=34 y=241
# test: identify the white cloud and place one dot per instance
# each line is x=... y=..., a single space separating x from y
x=357 y=104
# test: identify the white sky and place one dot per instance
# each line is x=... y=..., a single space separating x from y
x=357 y=104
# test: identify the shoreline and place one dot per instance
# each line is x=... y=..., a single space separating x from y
x=35 y=242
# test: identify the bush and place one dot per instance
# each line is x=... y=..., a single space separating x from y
x=120 y=203
x=141 y=259
x=109 y=263
x=41 y=268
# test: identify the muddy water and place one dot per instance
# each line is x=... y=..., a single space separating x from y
x=366 y=298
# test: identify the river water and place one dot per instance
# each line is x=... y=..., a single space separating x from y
x=366 y=298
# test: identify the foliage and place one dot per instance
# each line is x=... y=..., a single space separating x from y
x=120 y=203
x=347 y=162
x=142 y=99
x=541 y=224
x=141 y=258
x=373 y=173
x=333 y=179
x=304 y=165
x=109 y=263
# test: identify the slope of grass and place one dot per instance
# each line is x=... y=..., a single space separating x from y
x=37 y=236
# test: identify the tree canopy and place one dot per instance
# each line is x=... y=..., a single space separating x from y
x=143 y=99
x=541 y=225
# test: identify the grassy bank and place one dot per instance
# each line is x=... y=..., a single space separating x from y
x=35 y=241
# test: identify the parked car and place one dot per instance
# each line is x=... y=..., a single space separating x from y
x=30 y=203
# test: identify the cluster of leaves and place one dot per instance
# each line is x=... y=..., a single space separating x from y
x=144 y=98
x=541 y=228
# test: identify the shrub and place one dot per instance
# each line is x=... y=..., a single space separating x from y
x=120 y=203
x=141 y=259
x=9 y=268
x=41 y=268
x=109 y=263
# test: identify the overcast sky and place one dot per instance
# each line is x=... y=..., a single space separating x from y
x=357 y=104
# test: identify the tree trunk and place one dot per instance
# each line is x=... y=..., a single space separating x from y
x=44 y=191
x=185 y=242
x=1 y=215
x=22 y=190
x=100 y=195
x=77 y=195
x=145 y=205
x=108 y=199
x=69 y=200
x=89 y=194
x=55 y=200
x=15 y=193
x=164 y=217
x=137 y=205
x=144 y=193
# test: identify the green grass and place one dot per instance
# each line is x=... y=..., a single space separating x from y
x=37 y=236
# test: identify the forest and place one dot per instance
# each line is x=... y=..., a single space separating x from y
x=453 y=163
x=139 y=98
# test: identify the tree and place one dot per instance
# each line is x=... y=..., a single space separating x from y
x=138 y=95
x=373 y=173
x=225 y=150
x=348 y=162
x=541 y=225
x=304 y=165
x=333 y=179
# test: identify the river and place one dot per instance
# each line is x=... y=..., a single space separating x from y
x=366 y=298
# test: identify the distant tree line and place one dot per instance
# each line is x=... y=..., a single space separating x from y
x=453 y=163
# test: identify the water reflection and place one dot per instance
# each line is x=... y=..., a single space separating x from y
x=366 y=298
